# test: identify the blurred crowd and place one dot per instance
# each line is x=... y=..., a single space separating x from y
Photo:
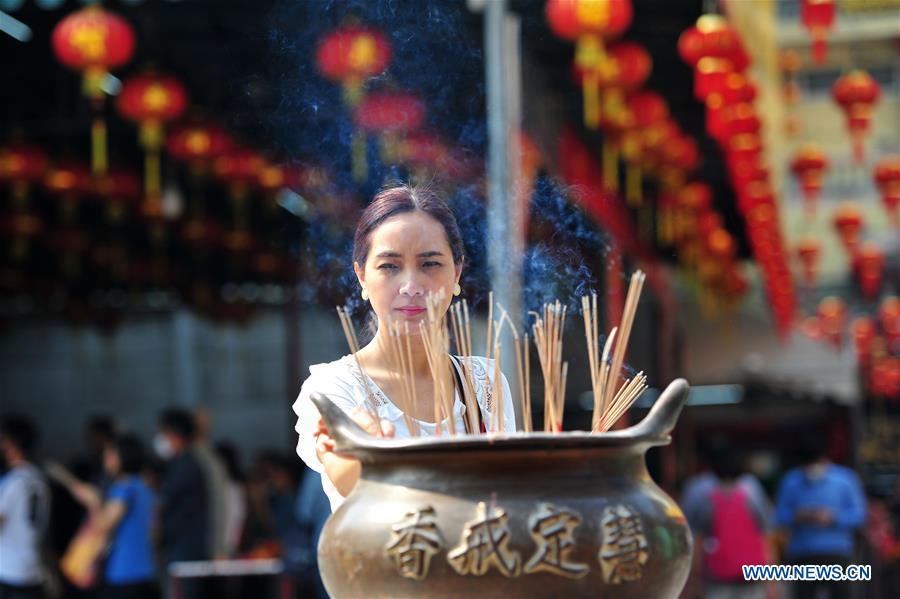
x=818 y=514
x=110 y=521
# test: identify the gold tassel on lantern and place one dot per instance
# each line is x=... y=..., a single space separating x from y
x=610 y=166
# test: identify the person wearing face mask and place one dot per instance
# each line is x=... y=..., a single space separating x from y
x=184 y=509
x=407 y=245
x=820 y=505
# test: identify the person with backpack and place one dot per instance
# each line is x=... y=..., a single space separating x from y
x=732 y=532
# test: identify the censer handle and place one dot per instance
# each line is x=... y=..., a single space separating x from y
x=346 y=433
x=664 y=414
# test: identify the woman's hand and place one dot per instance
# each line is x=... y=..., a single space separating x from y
x=344 y=472
x=362 y=417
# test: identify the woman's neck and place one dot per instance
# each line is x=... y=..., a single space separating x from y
x=375 y=354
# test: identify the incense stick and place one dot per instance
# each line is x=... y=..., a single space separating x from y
x=350 y=334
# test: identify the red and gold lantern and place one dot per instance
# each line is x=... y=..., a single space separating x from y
x=863 y=331
x=857 y=93
x=809 y=250
x=832 y=314
x=22 y=166
x=350 y=56
x=870 y=268
x=589 y=23
x=240 y=170
x=94 y=41
x=848 y=222
x=152 y=100
x=391 y=115
x=117 y=189
x=887 y=178
x=809 y=166
x=817 y=16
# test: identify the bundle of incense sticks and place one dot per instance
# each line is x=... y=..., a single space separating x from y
x=462 y=336
x=548 y=332
x=436 y=342
x=610 y=401
x=400 y=363
x=353 y=342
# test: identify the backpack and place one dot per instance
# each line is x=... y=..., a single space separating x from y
x=736 y=539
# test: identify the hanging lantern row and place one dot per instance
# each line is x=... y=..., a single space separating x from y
x=351 y=56
x=875 y=338
x=591 y=24
x=857 y=93
x=866 y=258
x=817 y=16
x=94 y=41
x=715 y=50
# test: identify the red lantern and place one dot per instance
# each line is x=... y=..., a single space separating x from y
x=857 y=93
x=713 y=37
x=809 y=166
x=628 y=66
x=391 y=115
x=198 y=143
x=118 y=188
x=740 y=119
x=832 y=313
x=887 y=178
x=870 y=267
x=240 y=169
x=93 y=40
x=350 y=56
x=863 y=330
x=152 y=100
x=70 y=182
x=818 y=17
x=889 y=317
x=22 y=166
x=848 y=222
x=588 y=23
x=809 y=251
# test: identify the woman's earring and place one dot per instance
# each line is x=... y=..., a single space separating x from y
x=364 y=295
x=457 y=290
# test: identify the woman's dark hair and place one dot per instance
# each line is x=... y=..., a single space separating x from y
x=131 y=453
x=398 y=200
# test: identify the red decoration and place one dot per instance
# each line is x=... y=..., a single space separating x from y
x=588 y=23
x=818 y=17
x=391 y=115
x=93 y=40
x=351 y=55
x=809 y=250
x=870 y=267
x=887 y=178
x=809 y=166
x=118 y=188
x=198 y=143
x=832 y=313
x=152 y=100
x=857 y=93
x=22 y=166
x=713 y=37
x=863 y=331
x=848 y=222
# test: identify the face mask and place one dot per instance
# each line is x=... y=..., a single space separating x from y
x=162 y=447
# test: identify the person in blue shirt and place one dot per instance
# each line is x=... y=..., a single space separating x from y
x=129 y=510
x=123 y=516
x=820 y=505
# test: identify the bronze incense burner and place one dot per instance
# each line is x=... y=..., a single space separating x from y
x=507 y=515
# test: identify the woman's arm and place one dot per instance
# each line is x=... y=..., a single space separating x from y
x=86 y=494
x=344 y=472
x=110 y=515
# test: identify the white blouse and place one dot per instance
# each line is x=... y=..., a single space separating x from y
x=343 y=383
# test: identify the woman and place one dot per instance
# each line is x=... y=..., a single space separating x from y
x=407 y=246
x=124 y=516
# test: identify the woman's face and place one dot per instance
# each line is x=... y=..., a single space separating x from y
x=409 y=257
x=111 y=462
